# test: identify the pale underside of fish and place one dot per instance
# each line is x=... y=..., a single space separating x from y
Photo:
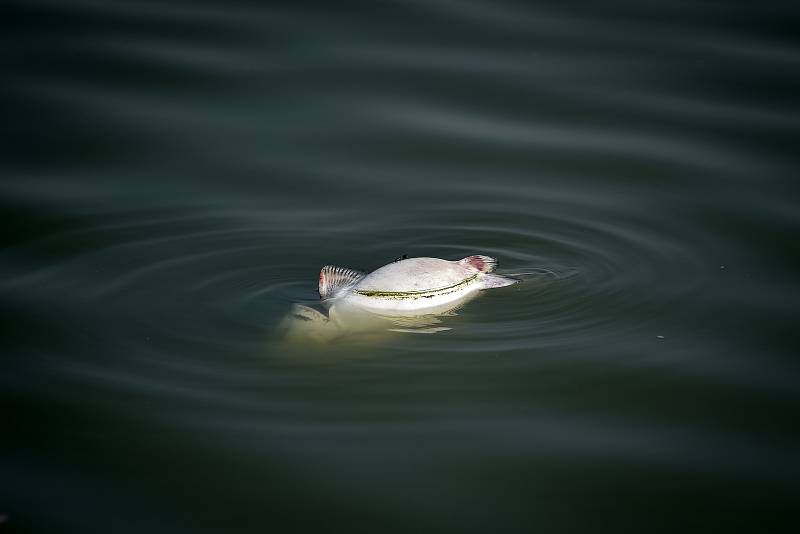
x=411 y=285
x=409 y=295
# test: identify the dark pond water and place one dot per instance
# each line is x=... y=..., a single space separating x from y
x=175 y=174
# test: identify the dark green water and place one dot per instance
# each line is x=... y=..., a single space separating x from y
x=175 y=174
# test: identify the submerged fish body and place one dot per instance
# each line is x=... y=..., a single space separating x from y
x=409 y=286
x=409 y=295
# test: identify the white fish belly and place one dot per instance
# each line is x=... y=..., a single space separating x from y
x=416 y=274
x=409 y=304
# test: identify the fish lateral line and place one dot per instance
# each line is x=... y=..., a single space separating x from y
x=416 y=294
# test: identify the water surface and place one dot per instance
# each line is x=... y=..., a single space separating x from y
x=175 y=174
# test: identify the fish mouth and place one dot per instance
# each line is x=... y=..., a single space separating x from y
x=428 y=293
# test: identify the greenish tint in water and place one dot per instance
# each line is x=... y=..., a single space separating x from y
x=175 y=174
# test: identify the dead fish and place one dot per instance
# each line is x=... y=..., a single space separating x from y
x=412 y=285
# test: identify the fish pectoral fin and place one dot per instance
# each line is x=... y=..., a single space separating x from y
x=489 y=281
x=334 y=279
x=304 y=314
x=484 y=264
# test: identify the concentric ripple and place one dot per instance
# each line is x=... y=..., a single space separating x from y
x=234 y=265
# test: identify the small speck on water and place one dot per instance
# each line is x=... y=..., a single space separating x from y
x=721 y=266
x=660 y=337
